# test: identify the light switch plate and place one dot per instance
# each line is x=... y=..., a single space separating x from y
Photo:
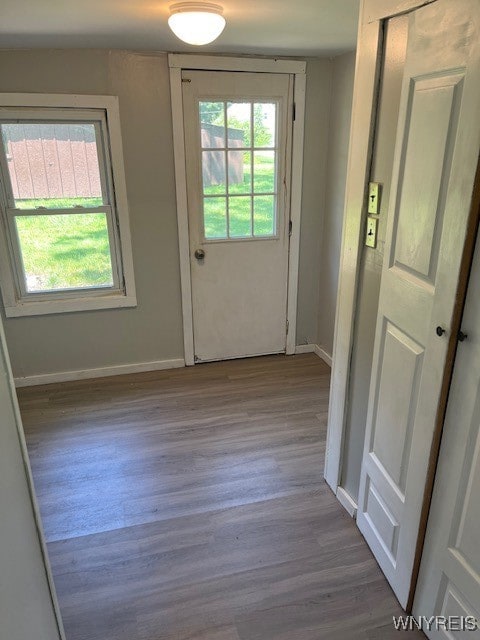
x=373 y=197
x=371 y=237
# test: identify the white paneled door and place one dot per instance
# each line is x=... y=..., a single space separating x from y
x=436 y=154
x=449 y=582
x=238 y=140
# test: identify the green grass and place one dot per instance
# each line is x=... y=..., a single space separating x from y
x=65 y=251
x=239 y=207
x=72 y=251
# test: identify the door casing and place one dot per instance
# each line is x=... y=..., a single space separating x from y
x=436 y=151
x=178 y=63
x=373 y=14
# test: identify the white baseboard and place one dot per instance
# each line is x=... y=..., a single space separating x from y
x=347 y=502
x=305 y=348
x=137 y=367
x=102 y=372
x=321 y=353
x=317 y=350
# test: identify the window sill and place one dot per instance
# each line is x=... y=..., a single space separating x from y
x=72 y=305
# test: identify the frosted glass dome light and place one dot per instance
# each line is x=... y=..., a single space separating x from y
x=196 y=23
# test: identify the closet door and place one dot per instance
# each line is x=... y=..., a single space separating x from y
x=436 y=152
x=449 y=583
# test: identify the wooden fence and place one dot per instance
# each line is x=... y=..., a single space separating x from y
x=52 y=160
x=212 y=136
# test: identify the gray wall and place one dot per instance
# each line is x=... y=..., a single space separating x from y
x=26 y=609
x=343 y=71
x=317 y=123
x=372 y=259
x=152 y=331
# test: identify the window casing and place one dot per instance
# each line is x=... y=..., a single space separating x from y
x=70 y=251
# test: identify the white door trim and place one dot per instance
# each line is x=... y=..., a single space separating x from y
x=178 y=62
x=379 y=9
x=365 y=98
x=4 y=356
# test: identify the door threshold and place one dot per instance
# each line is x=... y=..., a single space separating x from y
x=240 y=357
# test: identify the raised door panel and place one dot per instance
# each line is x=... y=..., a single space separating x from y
x=429 y=141
x=395 y=403
x=384 y=524
x=467 y=538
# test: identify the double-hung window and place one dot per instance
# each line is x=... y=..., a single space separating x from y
x=66 y=239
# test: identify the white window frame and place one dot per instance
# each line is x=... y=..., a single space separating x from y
x=297 y=68
x=103 y=111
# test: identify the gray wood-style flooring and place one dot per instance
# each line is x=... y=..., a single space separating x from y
x=190 y=505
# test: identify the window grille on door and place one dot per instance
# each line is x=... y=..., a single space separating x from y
x=239 y=169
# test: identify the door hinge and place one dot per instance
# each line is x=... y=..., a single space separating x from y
x=288 y=326
x=290 y=226
x=294 y=112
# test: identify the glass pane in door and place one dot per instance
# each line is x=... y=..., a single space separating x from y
x=239 y=169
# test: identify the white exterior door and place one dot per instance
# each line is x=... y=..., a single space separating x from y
x=238 y=139
x=449 y=581
x=436 y=153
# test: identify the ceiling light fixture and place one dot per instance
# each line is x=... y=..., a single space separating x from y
x=196 y=23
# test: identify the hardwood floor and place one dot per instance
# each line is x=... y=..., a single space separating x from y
x=190 y=505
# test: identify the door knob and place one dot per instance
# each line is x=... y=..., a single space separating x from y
x=199 y=254
x=440 y=331
x=462 y=336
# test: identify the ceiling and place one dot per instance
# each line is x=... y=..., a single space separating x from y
x=271 y=27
